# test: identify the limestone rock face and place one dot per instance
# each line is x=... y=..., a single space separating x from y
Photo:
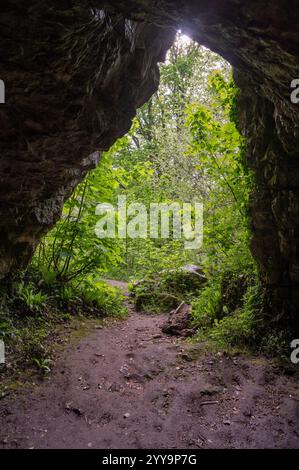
x=74 y=77
x=75 y=72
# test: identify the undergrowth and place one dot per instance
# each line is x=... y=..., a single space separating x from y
x=35 y=312
x=246 y=327
x=163 y=291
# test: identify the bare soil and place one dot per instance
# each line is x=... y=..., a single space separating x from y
x=131 y=386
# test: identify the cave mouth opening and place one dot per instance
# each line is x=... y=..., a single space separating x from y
x=47 y=144
x=183 y=153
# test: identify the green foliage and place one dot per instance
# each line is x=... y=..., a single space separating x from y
x=43 y=364
x=108 y=299
x=240 y=328
x=34 y=345
x=225 y=310
x=233 y=330
x=153 y=294
x=244 y=327
x=166 y=290
x=183 y=146
x=67 y=293
x=229 y=309
x=26 y=338
x=72 y=249
x=218 y=145
x=230 y=330
x=155 y=163
x=206 y=306
x=33 y=300
x=275 y=344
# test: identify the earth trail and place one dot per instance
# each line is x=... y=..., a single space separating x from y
x=130 y=386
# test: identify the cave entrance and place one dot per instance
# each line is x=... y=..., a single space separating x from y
x=76 y=76
x=184 y=148
x=167 y=203
x=102 y=68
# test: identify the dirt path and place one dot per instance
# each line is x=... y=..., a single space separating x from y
x=129 y=386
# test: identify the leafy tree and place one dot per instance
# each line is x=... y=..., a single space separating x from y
x=72 y=250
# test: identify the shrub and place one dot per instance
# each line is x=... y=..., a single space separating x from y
x=233 y=330
x=108 y=299
x=167 y=289
x=206 y=306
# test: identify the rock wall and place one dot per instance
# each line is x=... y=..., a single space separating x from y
x=74 y=78
x=77 y=70
x=274 y=206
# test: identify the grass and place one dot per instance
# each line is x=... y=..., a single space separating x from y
x=34 y=331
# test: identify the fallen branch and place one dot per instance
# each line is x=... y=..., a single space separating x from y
x=179 y=308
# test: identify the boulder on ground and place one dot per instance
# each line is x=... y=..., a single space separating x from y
x=179 y=321
x=166 y=289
